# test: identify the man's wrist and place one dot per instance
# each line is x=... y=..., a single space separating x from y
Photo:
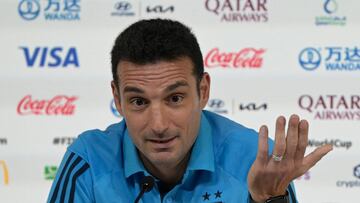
x=276 y=199
x=256 y=198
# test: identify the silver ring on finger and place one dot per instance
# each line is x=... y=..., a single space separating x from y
x=277 y=158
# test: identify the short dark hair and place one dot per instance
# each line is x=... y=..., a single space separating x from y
x=150 y=41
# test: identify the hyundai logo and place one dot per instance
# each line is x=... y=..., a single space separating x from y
x=123 y=6
x=216 y=103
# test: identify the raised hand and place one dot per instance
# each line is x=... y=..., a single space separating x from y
x=270 y=175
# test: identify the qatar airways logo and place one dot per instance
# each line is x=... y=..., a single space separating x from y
x=331 y=107
x=244 y=58
x=58 y=105
x=239 y=10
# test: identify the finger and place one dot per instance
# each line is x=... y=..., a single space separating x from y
x=262 y=154
x=280 y=145
x=292 y=137
x=315 y=156
x=303 y=141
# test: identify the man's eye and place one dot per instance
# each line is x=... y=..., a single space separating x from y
x=176 y=99
x=138 y=102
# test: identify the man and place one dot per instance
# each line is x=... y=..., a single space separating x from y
x=160 y=88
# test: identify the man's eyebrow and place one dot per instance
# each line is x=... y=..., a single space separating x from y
x=176 y=85
x=133 y=89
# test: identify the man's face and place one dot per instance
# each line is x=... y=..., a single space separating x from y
x=162 y=108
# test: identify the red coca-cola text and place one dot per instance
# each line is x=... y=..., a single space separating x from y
x=59 y=105
x=245 y=58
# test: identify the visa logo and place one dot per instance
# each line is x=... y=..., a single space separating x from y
x=52 y=57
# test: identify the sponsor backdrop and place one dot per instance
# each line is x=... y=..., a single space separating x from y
x=265 y=58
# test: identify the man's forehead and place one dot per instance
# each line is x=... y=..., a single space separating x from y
x=167 y=88
x=164 y=76
x=182 y=64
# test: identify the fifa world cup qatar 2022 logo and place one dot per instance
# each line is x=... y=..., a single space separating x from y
x=58 y=105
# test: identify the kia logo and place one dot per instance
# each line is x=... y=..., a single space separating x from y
x=252 y=107
x=160 y=9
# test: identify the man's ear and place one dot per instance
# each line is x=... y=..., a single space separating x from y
x=116 y=96
x=204 y=90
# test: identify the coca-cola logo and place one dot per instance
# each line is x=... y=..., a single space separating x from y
x=58 y=105
x=331 y=107
x=245 y=58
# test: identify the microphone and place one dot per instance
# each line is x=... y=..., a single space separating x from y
x=147 y=183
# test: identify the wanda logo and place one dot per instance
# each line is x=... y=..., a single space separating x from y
x=58 y=105
x=245 y=58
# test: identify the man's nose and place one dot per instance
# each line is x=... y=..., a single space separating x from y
x=159 y=122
